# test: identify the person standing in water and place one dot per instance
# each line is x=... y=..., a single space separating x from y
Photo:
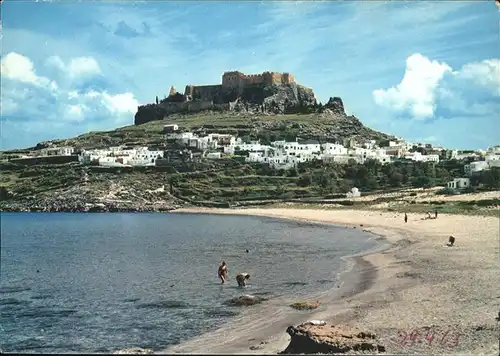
x=241 y=278
x=223 y=272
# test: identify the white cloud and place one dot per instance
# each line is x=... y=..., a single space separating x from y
x=77 y=67
x=75 y=112
x=60 y=104
x=428 y=85
x=120 y=103
x=417 y=91
x=83 y=66
x=15 y=66
x=485 y=74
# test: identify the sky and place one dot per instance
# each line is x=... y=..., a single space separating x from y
x=425 y=71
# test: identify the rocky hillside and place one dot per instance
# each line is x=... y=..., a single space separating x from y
x=79 y=188
x=270 y=99
x=331 y=124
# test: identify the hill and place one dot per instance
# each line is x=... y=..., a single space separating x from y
x=224 y=182
x=325 y=127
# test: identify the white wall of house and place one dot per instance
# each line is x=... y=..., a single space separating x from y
x=137 y=157
x=252 y=147
x=57 y=151
x=459 y=183
x=139 y=162
x=430 y=158
x=333 y=149
x=419 y=157
x=108 y=161
x=214 y=155
x=342 y=159
x=475 y=167
x=492 y=157
x=494 y=163
x=172 y=127
x=222 y=139
x=282 y=162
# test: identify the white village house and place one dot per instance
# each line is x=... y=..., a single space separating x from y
x=459 y=183
x=120 y=156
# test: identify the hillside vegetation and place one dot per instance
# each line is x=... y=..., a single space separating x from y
x=324 y=127
x=226 y=182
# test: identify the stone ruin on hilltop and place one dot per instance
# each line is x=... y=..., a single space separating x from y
x=269 y=92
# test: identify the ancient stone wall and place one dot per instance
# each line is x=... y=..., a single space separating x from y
x=206 y=92
x=237 y=81
x=189 y=106
x=31 y=161
x=189 y=90
x=232 y=79
x=287 y=78
x=195 y=106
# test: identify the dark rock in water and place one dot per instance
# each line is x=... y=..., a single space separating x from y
x=134 y=351
x=245 y=300
x=293 y=284
x=131 y=300
x=317 y=337
x=164 y=304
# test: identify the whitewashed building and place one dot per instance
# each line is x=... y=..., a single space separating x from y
x=214 y=155
x=354 y=193
x=475 y=167
x=333 y=149
x=57 y=151
x=170 y=128
x=459 y=183
x=116 y=156
x=419 y=157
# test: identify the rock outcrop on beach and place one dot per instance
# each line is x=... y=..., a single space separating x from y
x=245 y=300
x=318 y=337
x=306 y=305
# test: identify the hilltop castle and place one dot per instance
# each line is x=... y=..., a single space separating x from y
x=237 y=81
x=266 y=92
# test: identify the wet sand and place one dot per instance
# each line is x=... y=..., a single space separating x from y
x=417 y=285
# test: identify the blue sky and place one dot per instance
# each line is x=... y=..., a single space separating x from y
x=426 y=71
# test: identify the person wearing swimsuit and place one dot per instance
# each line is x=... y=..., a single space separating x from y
x=223 y=272
x=241 y=278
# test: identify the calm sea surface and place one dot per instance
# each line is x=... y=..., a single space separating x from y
x=101 y=282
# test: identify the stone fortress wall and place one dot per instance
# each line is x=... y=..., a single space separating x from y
x=201 y=97
x=238 y=81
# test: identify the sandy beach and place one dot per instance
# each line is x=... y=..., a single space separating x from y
x=446 y=297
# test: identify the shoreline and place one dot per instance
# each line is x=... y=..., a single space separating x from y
x=381 y=288
x=357 y=276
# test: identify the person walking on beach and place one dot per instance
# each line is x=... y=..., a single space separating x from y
x=435 y=214
x=406 y=218
x=241 y=278
x=222 y=273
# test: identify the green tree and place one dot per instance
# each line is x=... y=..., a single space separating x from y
x=305 y=180
x=491 y=178
x=395 y=179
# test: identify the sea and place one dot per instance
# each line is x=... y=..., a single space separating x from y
x=76 y=282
